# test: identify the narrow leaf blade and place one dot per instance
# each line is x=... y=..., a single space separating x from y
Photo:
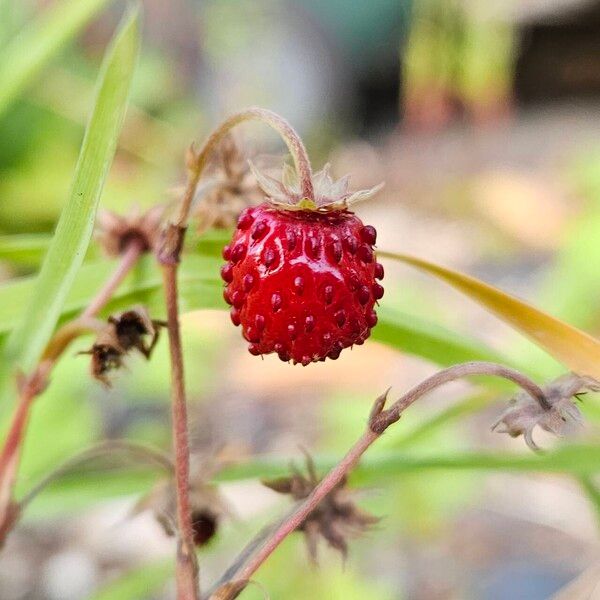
x=74 y=229
x=574 y=348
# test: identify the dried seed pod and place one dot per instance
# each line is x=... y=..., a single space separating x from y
x=336 y=519
x=208 y=507
x=132 y=329
x=524 y=413
x=115 y=231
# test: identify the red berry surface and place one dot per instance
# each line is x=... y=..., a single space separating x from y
x=302 y=284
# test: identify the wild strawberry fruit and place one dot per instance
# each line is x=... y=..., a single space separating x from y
x=302 y=278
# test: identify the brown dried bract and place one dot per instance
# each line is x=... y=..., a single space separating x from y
x=135 y=329
x=336 y=518
x=208 y=507
x=126 y=331
x=524 y=413
x=114 y=232
x=234 y=187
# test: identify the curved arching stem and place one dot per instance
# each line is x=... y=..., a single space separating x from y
x=187 y=577
x=289 y=135
x=379 y=420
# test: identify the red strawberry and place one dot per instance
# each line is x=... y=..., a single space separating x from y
x=302 y=283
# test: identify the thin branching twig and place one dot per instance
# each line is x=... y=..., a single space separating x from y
x=380 y=419
x=31 y=386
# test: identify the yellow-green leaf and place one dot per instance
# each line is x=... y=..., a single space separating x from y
x=574 y=348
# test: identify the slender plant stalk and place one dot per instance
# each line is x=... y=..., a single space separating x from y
x=169 y=256
x=33 y=385
x=379 y=420
x=186 y=569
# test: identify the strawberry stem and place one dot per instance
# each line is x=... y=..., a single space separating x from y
x=187 y=576
x=197 y=161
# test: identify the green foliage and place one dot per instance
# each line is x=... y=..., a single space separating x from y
x=74 y=229
x=27 y=53
x=138 y=583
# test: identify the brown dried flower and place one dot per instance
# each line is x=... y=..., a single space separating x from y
x=208 y=507
x=233 y=189
x=115 y=231
x=524 y=413
x=132 y=329
x=336 y=518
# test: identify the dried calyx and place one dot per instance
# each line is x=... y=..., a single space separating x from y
x=233 y=186
x=336 y=519
x=124 y=332
x=208 y=506
x=284 y=190
x=114 y=232
x=559 y=417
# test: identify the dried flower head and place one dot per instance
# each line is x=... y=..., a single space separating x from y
x=208 y=507
x=284 y=189
x=135 y=329
x=105 y=358
x=126 y=331
x=233 y=188
x=114 y=232
x=561 y=415
x=336 y=518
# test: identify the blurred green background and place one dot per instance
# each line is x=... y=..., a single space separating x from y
x=484 y=123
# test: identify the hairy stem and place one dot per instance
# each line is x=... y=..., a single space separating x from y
x=379 y=420
x=34 y=384
x=169 y=256
x=279 y=124
x=187 y=568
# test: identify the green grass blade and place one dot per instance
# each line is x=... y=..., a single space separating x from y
x=27 y=53
x=74 y=229
x=24 y=249
x=574 y=348
x=201 y=287
x=75 y=490
x=581 y=460
x=425 y=339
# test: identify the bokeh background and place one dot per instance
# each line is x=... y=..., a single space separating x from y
x=483 y=119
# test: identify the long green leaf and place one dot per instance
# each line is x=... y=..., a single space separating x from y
x=427 y=340
x=572 y=459
x=27 y=53
x=73 y=491
x=201 y=287
x=74 y=228
x=24 y=249
x=569 y=345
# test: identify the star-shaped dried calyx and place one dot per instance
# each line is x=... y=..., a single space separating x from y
x=283 y=189
x=232 y=188
x=114 y=232
x=129 y=330
x=560 y=416
x=336 y=519
x=207 y=504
